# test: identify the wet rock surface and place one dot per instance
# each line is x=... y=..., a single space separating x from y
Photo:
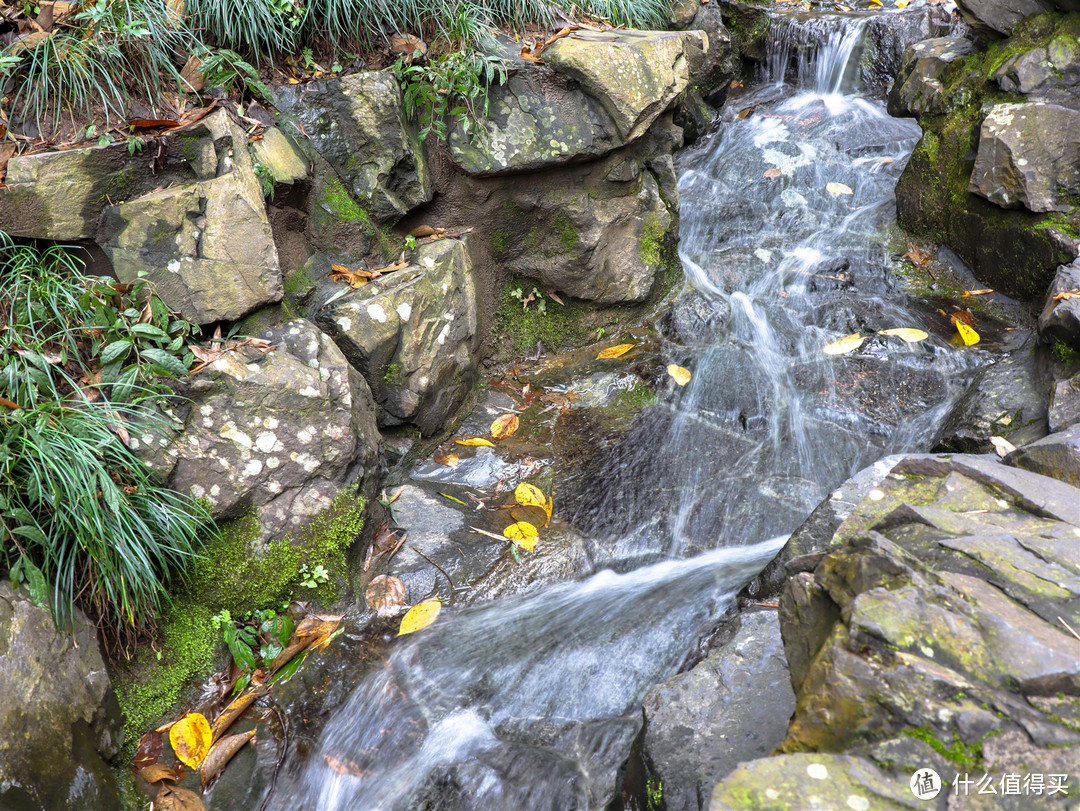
x=1064 y=404
x=918 y=81
x=1057 y=456
x=732 y=707
x=59 y=720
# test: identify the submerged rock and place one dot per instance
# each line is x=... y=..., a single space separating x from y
x=59 y=720
x=732 y=707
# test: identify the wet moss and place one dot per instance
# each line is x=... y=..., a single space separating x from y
x=652 y=242
x=336 y=200
x=968 y=756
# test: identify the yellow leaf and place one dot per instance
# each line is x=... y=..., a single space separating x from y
x=969 y=336
x=191 y=738
x=549 y=508
x=523 y=534
x=476 y=441
x=849 y=343
x=901 y=3
x=614 y=351
x=529 y=495
x=838 y=188
x=907 y=334
x=420 y=616
x=505 y=426
x=447 y=459
x=679 y=374
x=875 y=3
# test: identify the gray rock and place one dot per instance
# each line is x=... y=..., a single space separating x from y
x=357 y=123
x=889 y=37
x=720 y=63
x=1057 y=456
x=1050 y=72
x=278 y=153
x=918 y=81
x=1001 y=16
x=1064 y=404
x=1028 y=155
x=282 y=433
x=1060 y=319
x=59 y=720
x=207 y=246
x=412 y=334
x=1007 y=399
x=693 y=318
x=732 y=707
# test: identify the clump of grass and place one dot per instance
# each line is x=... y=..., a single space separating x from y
x=83 y=521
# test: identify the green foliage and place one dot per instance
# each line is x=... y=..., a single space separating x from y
x=254 y=641
x=1065 y=353
x=266 y=178
x=227 y=69
x=460 y=78
x=80 y=361
x=109 y=49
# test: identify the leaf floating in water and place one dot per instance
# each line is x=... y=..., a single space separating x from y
x=838 y=188
x=446 y=459
x=505 y=426
x=386 y=595
x=529 y=495
x=176 y=798
x=849 y=343
x=472 y=441
x=1002 y=445
x=420 y=616
x=155 y=773
x=190 y=738
x=969 y=336
x=772 y=173
x=223 y=751
x=908 y=334
x=523 y=534
x=679 y=374
x=745 y=112
x=614 y=351
x=875 y=3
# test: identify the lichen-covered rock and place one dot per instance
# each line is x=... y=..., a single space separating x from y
x=635 y=75
x=1001 y=16
x=732 y=707
x=412 y=334
x=889 y=37
x=1060 y=317
x=1029 y=155
x=591 y=97
x=207 y=246
x=59 y=720
x=357 y=123
x=918 y=81
x=277 y=152
x=1064 y=403
x=1057 y=456
x=280 y=433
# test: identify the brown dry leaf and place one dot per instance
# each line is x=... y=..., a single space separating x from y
x=422 y=231
x=984 y=292
x=446 y=459
x=918 y=257
x=191 y=76
x=175 y=798
x=237 y=707
x=191 y=738
x=221 y=753
x=551 y=295
x=1065 y=295
x=530 y=515
x=420 y=616
x=745 y=112
x=148 y=751
x=29 y=41
x=772 y=173
x=354 y=278
x=614 y=351
x=528 y=57
x=474 y=441
x=963 y=317
x=1002 y=445
x=407 y=45
x=505 y=426
x=312 y=630
x=151 y=123
x=155 y=773
x=386 y=595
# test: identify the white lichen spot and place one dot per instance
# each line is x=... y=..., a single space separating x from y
x=404 y=310
x=876 y=495
x=763 y=255
x=304 y=436
x=442 y=335
x=174 y=266
x=253 y=467
x=817 y=771
x=344 y=323
x=445 y=287
x=273 y=463
x=267 y=441
x=428 y=262
x=197 y=491
x=207 y=422
x=206 y=410
x=273 y=488
x=308 y=391
x=926 y=651
x=856 y=803
x=252 y=367
x=772 y=793
x=230 y=431
x=215 y=491
x=271 y=423
x=1002 y=503
x=376 y=313
x=1021 y=162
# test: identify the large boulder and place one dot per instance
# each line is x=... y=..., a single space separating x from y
x=207 y=246
x=412 y=334
x=918 y=81
x=358 y=124
x=732 y=707
x=595 y=94
x=889 y=37
x=280 y=433
x=1000 y=17
x=1060 y=317
x=1057 y=456
x=1028 y=155
x=59 y=719
x=1048 y=72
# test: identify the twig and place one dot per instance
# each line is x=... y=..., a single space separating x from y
x=1071 y=629
x=437 y=566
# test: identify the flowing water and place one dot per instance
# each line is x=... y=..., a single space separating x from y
x=533 y=702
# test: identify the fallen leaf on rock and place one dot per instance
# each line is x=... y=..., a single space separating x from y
x=523 y=534
x=420 y=616
x=983 y=292
x=407 y=45
x=963 y=317
x=529 y=495
x=237 y=707
x=918 y=257
x=148 y=751
x=455 y=500
x=386 y=595
x=838 y=188
x=1002 y=445
x=175 y=798
x=849 y=343
x=614 y=351
x=969 y=336
x=473 y=441
x=679 y=374
x=505 y=426
x=155 y=773
x=191 y=738
x=908 y=334
x=446 y=459
x=221 y=753
x=1065 y=295
x=772 y=173
x=743 y=113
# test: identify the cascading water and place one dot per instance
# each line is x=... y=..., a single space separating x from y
x=531 y=702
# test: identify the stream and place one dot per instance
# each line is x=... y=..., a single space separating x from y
x=533 y=701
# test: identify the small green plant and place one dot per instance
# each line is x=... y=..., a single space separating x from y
x=1065 y=353
x=256 y=640
x=225 y=69
x=313 y=578
x=519 y=294
x=266 y=178
x=135 y=144
x=410 y=243
x=459 y=78
x=654 y=795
